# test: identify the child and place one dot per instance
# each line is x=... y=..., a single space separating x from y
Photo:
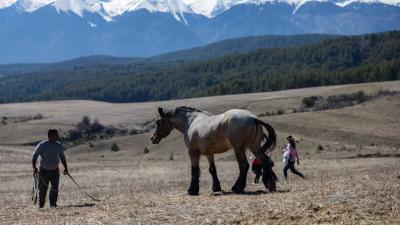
x=256 y=167
x=290 y=155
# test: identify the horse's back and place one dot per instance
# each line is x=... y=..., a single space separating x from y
x=221 y=132
x=239 y=117
x=241 y=127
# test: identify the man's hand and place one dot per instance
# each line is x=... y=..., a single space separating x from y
x=65 y=171
x=35 y=171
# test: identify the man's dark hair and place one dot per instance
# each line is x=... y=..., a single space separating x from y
x=52 y=131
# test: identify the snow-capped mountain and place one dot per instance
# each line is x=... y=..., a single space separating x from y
x=31 y=5
x=212 y=8
x=208 y=8
x=79 y=7
x=51 y=30
x=6 y=3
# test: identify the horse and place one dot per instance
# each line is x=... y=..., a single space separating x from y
x=206 y=134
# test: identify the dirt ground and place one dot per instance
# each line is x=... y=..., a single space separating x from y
x=354 y=179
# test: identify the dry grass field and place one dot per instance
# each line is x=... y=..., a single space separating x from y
x=355 y=179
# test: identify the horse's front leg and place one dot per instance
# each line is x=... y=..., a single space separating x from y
x=216 y=187
x=194 y=184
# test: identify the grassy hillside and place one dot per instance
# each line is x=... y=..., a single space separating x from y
x=367 y=58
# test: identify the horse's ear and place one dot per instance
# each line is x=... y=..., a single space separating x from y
x=161 y=111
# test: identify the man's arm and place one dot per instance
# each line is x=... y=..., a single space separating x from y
x=35 y=155
x=64 y=162
x=35 y=170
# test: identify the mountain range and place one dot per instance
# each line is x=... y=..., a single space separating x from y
x=54 y=30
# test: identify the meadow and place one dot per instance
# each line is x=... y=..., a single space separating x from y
x=351 y=157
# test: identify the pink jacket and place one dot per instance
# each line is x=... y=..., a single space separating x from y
x=292 y=152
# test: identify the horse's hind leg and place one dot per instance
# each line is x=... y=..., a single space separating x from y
x=240 y=184
x=216 y=187
x=194 y=184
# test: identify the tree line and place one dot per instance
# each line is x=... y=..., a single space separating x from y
x=342 y=60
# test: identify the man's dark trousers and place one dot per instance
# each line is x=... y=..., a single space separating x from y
x=44 y=177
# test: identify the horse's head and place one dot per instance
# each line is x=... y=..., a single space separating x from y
x=163 y=126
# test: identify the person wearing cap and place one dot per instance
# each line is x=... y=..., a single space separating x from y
x=50 y=152
x=290 y=156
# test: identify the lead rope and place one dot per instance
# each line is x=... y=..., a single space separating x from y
x=146 y=150
x=136 y=166
x=84 y=192
x=35 y=188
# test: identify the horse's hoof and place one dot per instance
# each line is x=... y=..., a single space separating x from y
x=216 y=188
x=237 y=190
x=193 y=191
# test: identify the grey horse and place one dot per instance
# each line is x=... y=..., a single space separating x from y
x=207 y=134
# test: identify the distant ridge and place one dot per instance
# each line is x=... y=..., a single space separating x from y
x=242 y=45
x=343 y=60
x=214 y=50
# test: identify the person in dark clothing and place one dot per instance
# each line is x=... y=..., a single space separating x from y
x=290 y=156
x=256 y=167
x=50 y=152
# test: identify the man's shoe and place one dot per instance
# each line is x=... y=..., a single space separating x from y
x=53 y=206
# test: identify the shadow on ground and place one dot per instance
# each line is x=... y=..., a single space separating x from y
x=84 y=205
x=259 y=192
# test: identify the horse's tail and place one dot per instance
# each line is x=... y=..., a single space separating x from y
x=270 y=139
x=269 y=176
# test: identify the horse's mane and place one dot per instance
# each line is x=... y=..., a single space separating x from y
x=190 y=109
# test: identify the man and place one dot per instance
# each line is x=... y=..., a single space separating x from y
x=50 y=152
